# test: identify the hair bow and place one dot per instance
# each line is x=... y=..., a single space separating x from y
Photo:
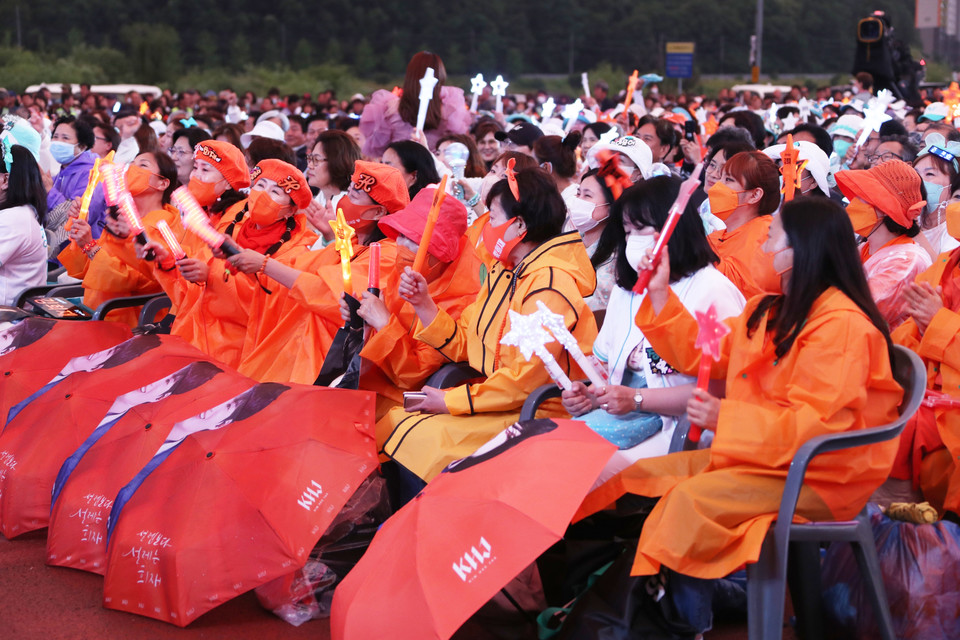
x=612 y=173
x=512 y=179
x=188 y=122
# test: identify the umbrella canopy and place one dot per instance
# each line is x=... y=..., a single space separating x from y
x=49 y=428
x=237 y=505
x=469 y=532
x=112 y=455
x=33 y=351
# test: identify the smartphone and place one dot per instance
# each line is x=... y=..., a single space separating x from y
x=690 y=130
x=411 y=398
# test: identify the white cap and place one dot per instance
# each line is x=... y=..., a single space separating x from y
x=634 y=148
x=275 y=113
x=265 y=129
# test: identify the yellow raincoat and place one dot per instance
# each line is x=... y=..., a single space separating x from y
x=559 y=274
x=718 y=503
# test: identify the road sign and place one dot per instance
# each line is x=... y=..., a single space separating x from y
x=680 y=59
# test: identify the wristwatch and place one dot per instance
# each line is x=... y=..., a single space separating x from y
x=638 y=400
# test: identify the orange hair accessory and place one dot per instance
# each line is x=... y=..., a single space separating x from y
x=612 y=173
x=512 y=179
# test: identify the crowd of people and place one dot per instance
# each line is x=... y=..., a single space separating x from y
x=546 y=206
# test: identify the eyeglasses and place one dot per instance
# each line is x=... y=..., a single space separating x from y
x=715 y=166
x=177 y=151
x=102 y=139
x=883 y=157
x=314 y=159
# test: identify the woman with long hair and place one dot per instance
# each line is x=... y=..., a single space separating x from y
x=388 y=118
x=810 y=358
x=23 y=206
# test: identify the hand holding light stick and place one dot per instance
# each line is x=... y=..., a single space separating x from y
x=528 y=335
x=709 y=337
x=558 y=327
x=427 y=83
x=673 y=217
x=167 y=234
x=432 y=218
x=197 y=222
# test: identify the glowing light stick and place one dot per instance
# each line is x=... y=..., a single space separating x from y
x=197 y=222
x=344 y=235
x=940 y=400
x=528 y=335
x=167 y=234
x=92 y=181
x=427 y=83
x=547 y=109
x=477 y=84
x=631 y=87
x=558 y=327
x=790 y=169
x=673 y=217
x=585 y=83
x=708 y=340
x=113 y=183
x=373 y=276
x=128 y=209
x=875 y=115
x=499 y=88
x=432 y=218
x=570 y=114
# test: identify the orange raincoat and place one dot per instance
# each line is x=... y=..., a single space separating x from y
x=400 y=361
x=559 y=274
x=718 y=503
x=115 y=270
x=737 y=250
x=216 y=316
x=939 y=346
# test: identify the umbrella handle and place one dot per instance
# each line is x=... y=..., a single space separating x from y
x=355 y=321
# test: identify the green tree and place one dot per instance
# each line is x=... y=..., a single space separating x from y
x=364 y=59
x=153 y=50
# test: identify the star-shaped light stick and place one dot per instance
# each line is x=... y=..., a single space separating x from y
x=427 y=83
x=558 y=327
x=790 y=122
x=528 y=335
x=499 y=88
x=709 y=337
x=92 y=181
x=570 y=114
x=609 y=136
x=791 y=169
x=477 y=85
x=875 y=115
x=547 y=109
x=344 y=234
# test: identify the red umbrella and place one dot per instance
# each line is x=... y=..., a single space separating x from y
x=34 y=350
x=229 y=509
x=469 y=532
x=113 y=454
x=51 y=427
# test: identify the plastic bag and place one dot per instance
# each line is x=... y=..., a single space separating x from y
x=921 y=570
x=306 y=594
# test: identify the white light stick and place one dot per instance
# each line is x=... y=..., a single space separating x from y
x=499 y=88
x=476 y=88
x=804 y=106
x=547 y=110
x=611 y=134
x=790 y=122
x=558 y=327
x=586 y=84
x=875 y=115
x=527 y=334
x=570 y=113
x=427 y=83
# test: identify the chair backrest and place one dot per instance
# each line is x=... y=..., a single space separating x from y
x=911 y=374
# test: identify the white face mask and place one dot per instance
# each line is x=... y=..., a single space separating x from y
x=637 y=248
x=581 y=214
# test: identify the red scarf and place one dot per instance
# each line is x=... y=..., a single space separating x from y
x=250 y=237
